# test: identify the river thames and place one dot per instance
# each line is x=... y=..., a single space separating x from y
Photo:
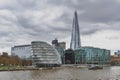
x=108 y=73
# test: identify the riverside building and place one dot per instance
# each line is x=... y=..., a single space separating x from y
x=92 y=55
x=69 y=56
x=84 y=55
x=22 y=51
x=44 y=55
x=60 y=47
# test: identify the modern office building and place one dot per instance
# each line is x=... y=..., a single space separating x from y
x=22 y=51
x=45 y=55
x=75 y=38
x=80 y=56
x=60 y=47
x=69 y=56
x=92 y=55
x=55 y=43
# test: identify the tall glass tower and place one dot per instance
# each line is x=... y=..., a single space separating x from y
x=75 y=38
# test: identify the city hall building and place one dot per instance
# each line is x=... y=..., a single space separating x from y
x=44 y=55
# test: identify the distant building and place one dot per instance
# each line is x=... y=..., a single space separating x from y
x=69 y=56
x=44 y=55
x=22 y=51
x=60 y=47
x=4 y=54
x=55 y=43
x=92 y=55
x=115 y=60
x=83 y=55
x=75 y=37
x=117 y=53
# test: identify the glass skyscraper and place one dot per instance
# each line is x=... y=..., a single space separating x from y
x=75 y=38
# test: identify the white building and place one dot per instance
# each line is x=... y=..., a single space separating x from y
x=45 y=55
x=22 y=51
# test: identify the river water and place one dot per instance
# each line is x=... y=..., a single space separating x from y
x=108 y=73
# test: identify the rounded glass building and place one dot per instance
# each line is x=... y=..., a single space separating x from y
x=44 y=55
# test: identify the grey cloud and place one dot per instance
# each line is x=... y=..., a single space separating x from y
x=30 y=27
x=89 y=32
x=103 y=11
x=27 y=3
x=94 y=11
x=88 y=29
x=113 y=38
x=24 y=23
x=59 y=29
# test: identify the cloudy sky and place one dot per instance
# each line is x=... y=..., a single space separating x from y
x=23 y=21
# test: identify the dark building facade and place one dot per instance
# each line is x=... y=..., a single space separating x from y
x=69 y=57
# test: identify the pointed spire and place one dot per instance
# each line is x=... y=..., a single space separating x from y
x=75 y=38
x=75 y=13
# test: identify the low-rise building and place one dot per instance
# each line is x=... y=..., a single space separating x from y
x=92 y=55
x=22 y=51
x=115 y=60
x=117 y=53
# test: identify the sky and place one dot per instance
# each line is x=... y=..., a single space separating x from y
x=23 y=21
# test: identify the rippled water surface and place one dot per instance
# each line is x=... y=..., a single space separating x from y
x=108 y=73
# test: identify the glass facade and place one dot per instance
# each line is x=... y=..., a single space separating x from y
x=22 y=51
x=60 y=47
x=61 y=52
x=45 y=55
x=80 y=56
x=91 y=55
x=69 y=56
x=75 y=37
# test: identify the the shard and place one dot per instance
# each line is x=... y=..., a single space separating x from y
x=75 y=38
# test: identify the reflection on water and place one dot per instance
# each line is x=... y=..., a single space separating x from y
x=108 y=73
